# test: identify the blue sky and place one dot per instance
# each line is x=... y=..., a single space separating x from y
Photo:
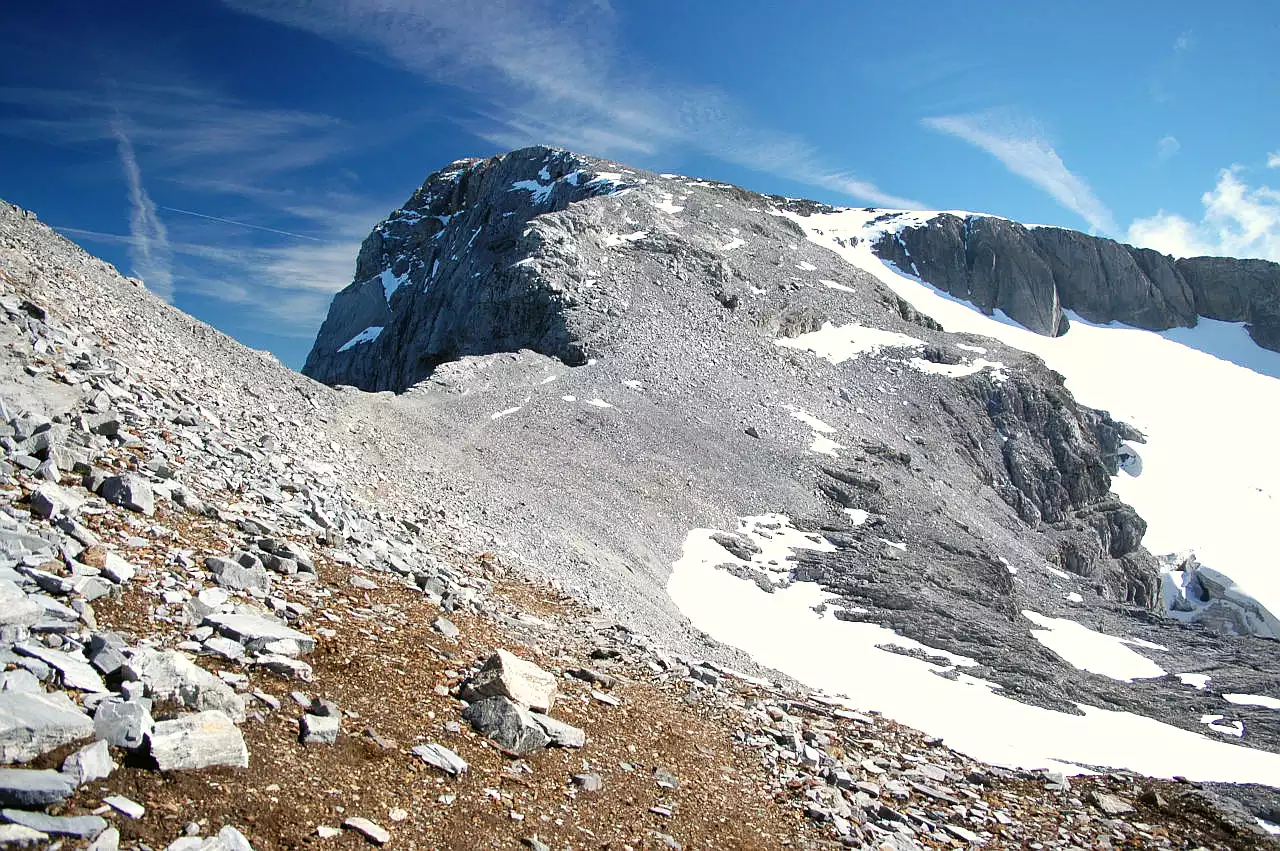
x=234 y=154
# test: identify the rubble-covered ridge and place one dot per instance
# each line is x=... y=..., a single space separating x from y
x=212 y=639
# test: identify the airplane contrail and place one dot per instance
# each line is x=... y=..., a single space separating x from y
x=241 y=224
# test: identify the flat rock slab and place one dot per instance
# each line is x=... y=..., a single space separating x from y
x=198 y=741
x=438 y=756
x=256 y=632
x=32 y=723
x=81 y=827
x=29 y=788
x=561 y=734
x=20 y=836
x=76 y=671
x=375 y=833
x=507 y=675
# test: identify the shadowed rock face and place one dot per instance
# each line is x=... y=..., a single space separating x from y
x=1034 y=274
x=439 y=276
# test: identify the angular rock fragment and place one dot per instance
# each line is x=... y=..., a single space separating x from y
x=16 y=609
x=33 y=723
x=508 y=724
x=255 y=632
x=232 y=574
x=76 y=671
x=372 y=831
x=561 y=734
x=50 y=500
x=80 y=827
x=168 y=675
x=123 y=724
x=320 y=729
x=108 y=840
x=92 y=762
x=438 y=756
x=130 y=491
x=20 y=836
x=124 y=805
x=198 y=741
x=507 y=675
x=29 y=788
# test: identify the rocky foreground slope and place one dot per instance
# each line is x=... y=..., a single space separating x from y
x=218 y=633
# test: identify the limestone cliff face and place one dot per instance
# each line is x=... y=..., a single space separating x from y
x=1034 y=274
x=456 y=272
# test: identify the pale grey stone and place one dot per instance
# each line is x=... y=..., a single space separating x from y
x=198 y=741
x=124 y=805
x=76 y=671
x=92 y=762
x=80 y=827
x=33 y=723
x=168 y=675
x=20 y=836
x=16 y=609
x=117 y=569
x=507 y=675
x=256 y=631
x=123 y=724
x=438 y=756
x=29 y=788
x=108 y=840
x=51 y=500
x=561 y=734
x=375 y=833
x=231 y=574
x=130 y=491
x=320 y=729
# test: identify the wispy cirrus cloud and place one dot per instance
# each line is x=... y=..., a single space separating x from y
x=149 y=249
x=1023 y=152
x=552 y=73
x=284 y=248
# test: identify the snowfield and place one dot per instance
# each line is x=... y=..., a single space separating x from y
x=1207 y=399
x=795 y=631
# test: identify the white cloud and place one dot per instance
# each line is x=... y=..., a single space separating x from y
x=1166 y=148
x=550 y=73
x=1029 y=157
x=1273 y=159
x=1238 y=221
x=1185 y=41
x=149 y=250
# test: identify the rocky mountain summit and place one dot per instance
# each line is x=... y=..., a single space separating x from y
x=243 y=609
x=684 y=338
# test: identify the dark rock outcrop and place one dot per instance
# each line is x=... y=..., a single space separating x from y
x=434 y=281
x=1034 y=274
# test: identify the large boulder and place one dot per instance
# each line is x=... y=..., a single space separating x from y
x=507 y=675
x=198 y=741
